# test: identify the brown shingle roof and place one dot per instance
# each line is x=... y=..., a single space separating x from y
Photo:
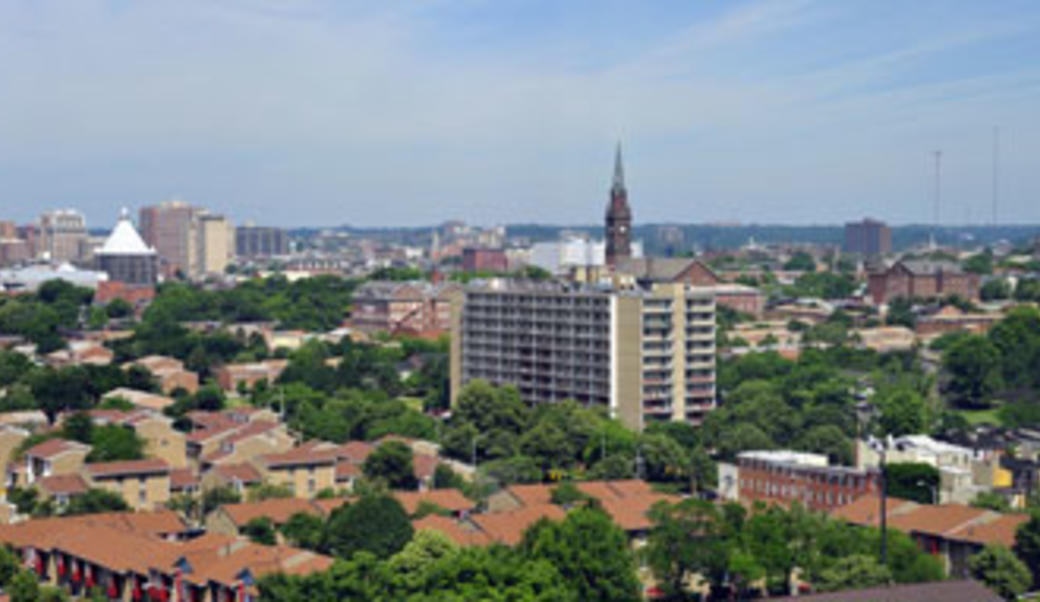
x=278 y=510
x=939 y=591
x=508 y=527
x=630 y=513
x=306 y=454
x=62 y=484
x=936 y=520
x=346 y=471
x=243 y=472
x=531 y=495
x=183 y=478
x=55 y=447
x=1000 y=530
x=356 y=451
x=449 y=499
x=866 y=511
x=106 y=470
x=451 y=528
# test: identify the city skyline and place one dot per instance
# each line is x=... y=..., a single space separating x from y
x=317 y=113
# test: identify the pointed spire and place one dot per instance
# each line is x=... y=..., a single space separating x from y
x=619 y=171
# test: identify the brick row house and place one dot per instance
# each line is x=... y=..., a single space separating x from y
x=922 y=279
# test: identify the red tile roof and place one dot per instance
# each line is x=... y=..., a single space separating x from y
x=104 y=470
x=244 y=472
x=307 y=454
x=55 y=447
x=356 y=451
x=508 y=527
x=938 y=591
x=1000 y=530
x=630 y=513
x=449 y=499
x=64 y=484
x=457 y=532
x=278 y=510
x=183 y=478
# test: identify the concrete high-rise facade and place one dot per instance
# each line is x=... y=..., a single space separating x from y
x=214 y=235
x=645 y=354
x=63 y=236
x=190 y=241
x=168 y=228
x=260 y=241
x=868 y=237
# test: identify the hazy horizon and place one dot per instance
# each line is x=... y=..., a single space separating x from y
x=321 y=113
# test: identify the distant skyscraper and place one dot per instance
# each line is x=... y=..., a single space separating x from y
x=213 y=239
x=63 y=235
x=868 y=237
x=619 y=216
x=260 y=241
x=168 y=228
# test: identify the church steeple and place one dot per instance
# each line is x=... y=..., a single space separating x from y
x=619 y=170
x=619 y=216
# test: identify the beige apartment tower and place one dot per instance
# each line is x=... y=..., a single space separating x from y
x=214 y=235
x=646 y=354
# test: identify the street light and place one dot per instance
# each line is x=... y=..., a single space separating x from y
x=879 y=447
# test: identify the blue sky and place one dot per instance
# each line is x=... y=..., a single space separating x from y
x=309 y=112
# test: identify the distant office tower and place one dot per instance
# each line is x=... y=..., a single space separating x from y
x=671 y=239
x=619 y=216
x=868 y=237
x=168 y=228
x=213 y=240
x=63 y=235
x=476 y=259
x=647 y=354
x=125 y=257
x=260 y=241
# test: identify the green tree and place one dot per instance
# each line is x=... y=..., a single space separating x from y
x=684 y=541
x=268 y=491
x=1001 y=571
x=96 y=500
x=79 y=427
x=902 y=411
x=1027 y=545
x=119 y=308
x=112 y=443
x=972 y=365
x=303 y=530
x=375 y=523
x=427 y=549
x=590 y=552
x=392 y=461
x=912 y=481
x=24 y=587
x=218 y=496
x=858 y=571
x=991 y=500
x=830 y=440
x=566 y=494
x=260 y=530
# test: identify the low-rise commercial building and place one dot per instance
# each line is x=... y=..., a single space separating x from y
x=786 y=477
x=922 y=279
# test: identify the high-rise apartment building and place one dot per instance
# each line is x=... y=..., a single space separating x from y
x=63 y=236
x=619 y=217
x=645 y=354
x=868 y=237
x=168 y=228
x=214 y=235
x=260 y=241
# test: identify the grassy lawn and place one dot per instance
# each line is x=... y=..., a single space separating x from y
x=980 y=416
x=414 y=403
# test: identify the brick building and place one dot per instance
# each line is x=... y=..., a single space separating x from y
x=868 y=237
x=787 y=476
x=409 y=307
x=922 y=279
x=476 y=259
